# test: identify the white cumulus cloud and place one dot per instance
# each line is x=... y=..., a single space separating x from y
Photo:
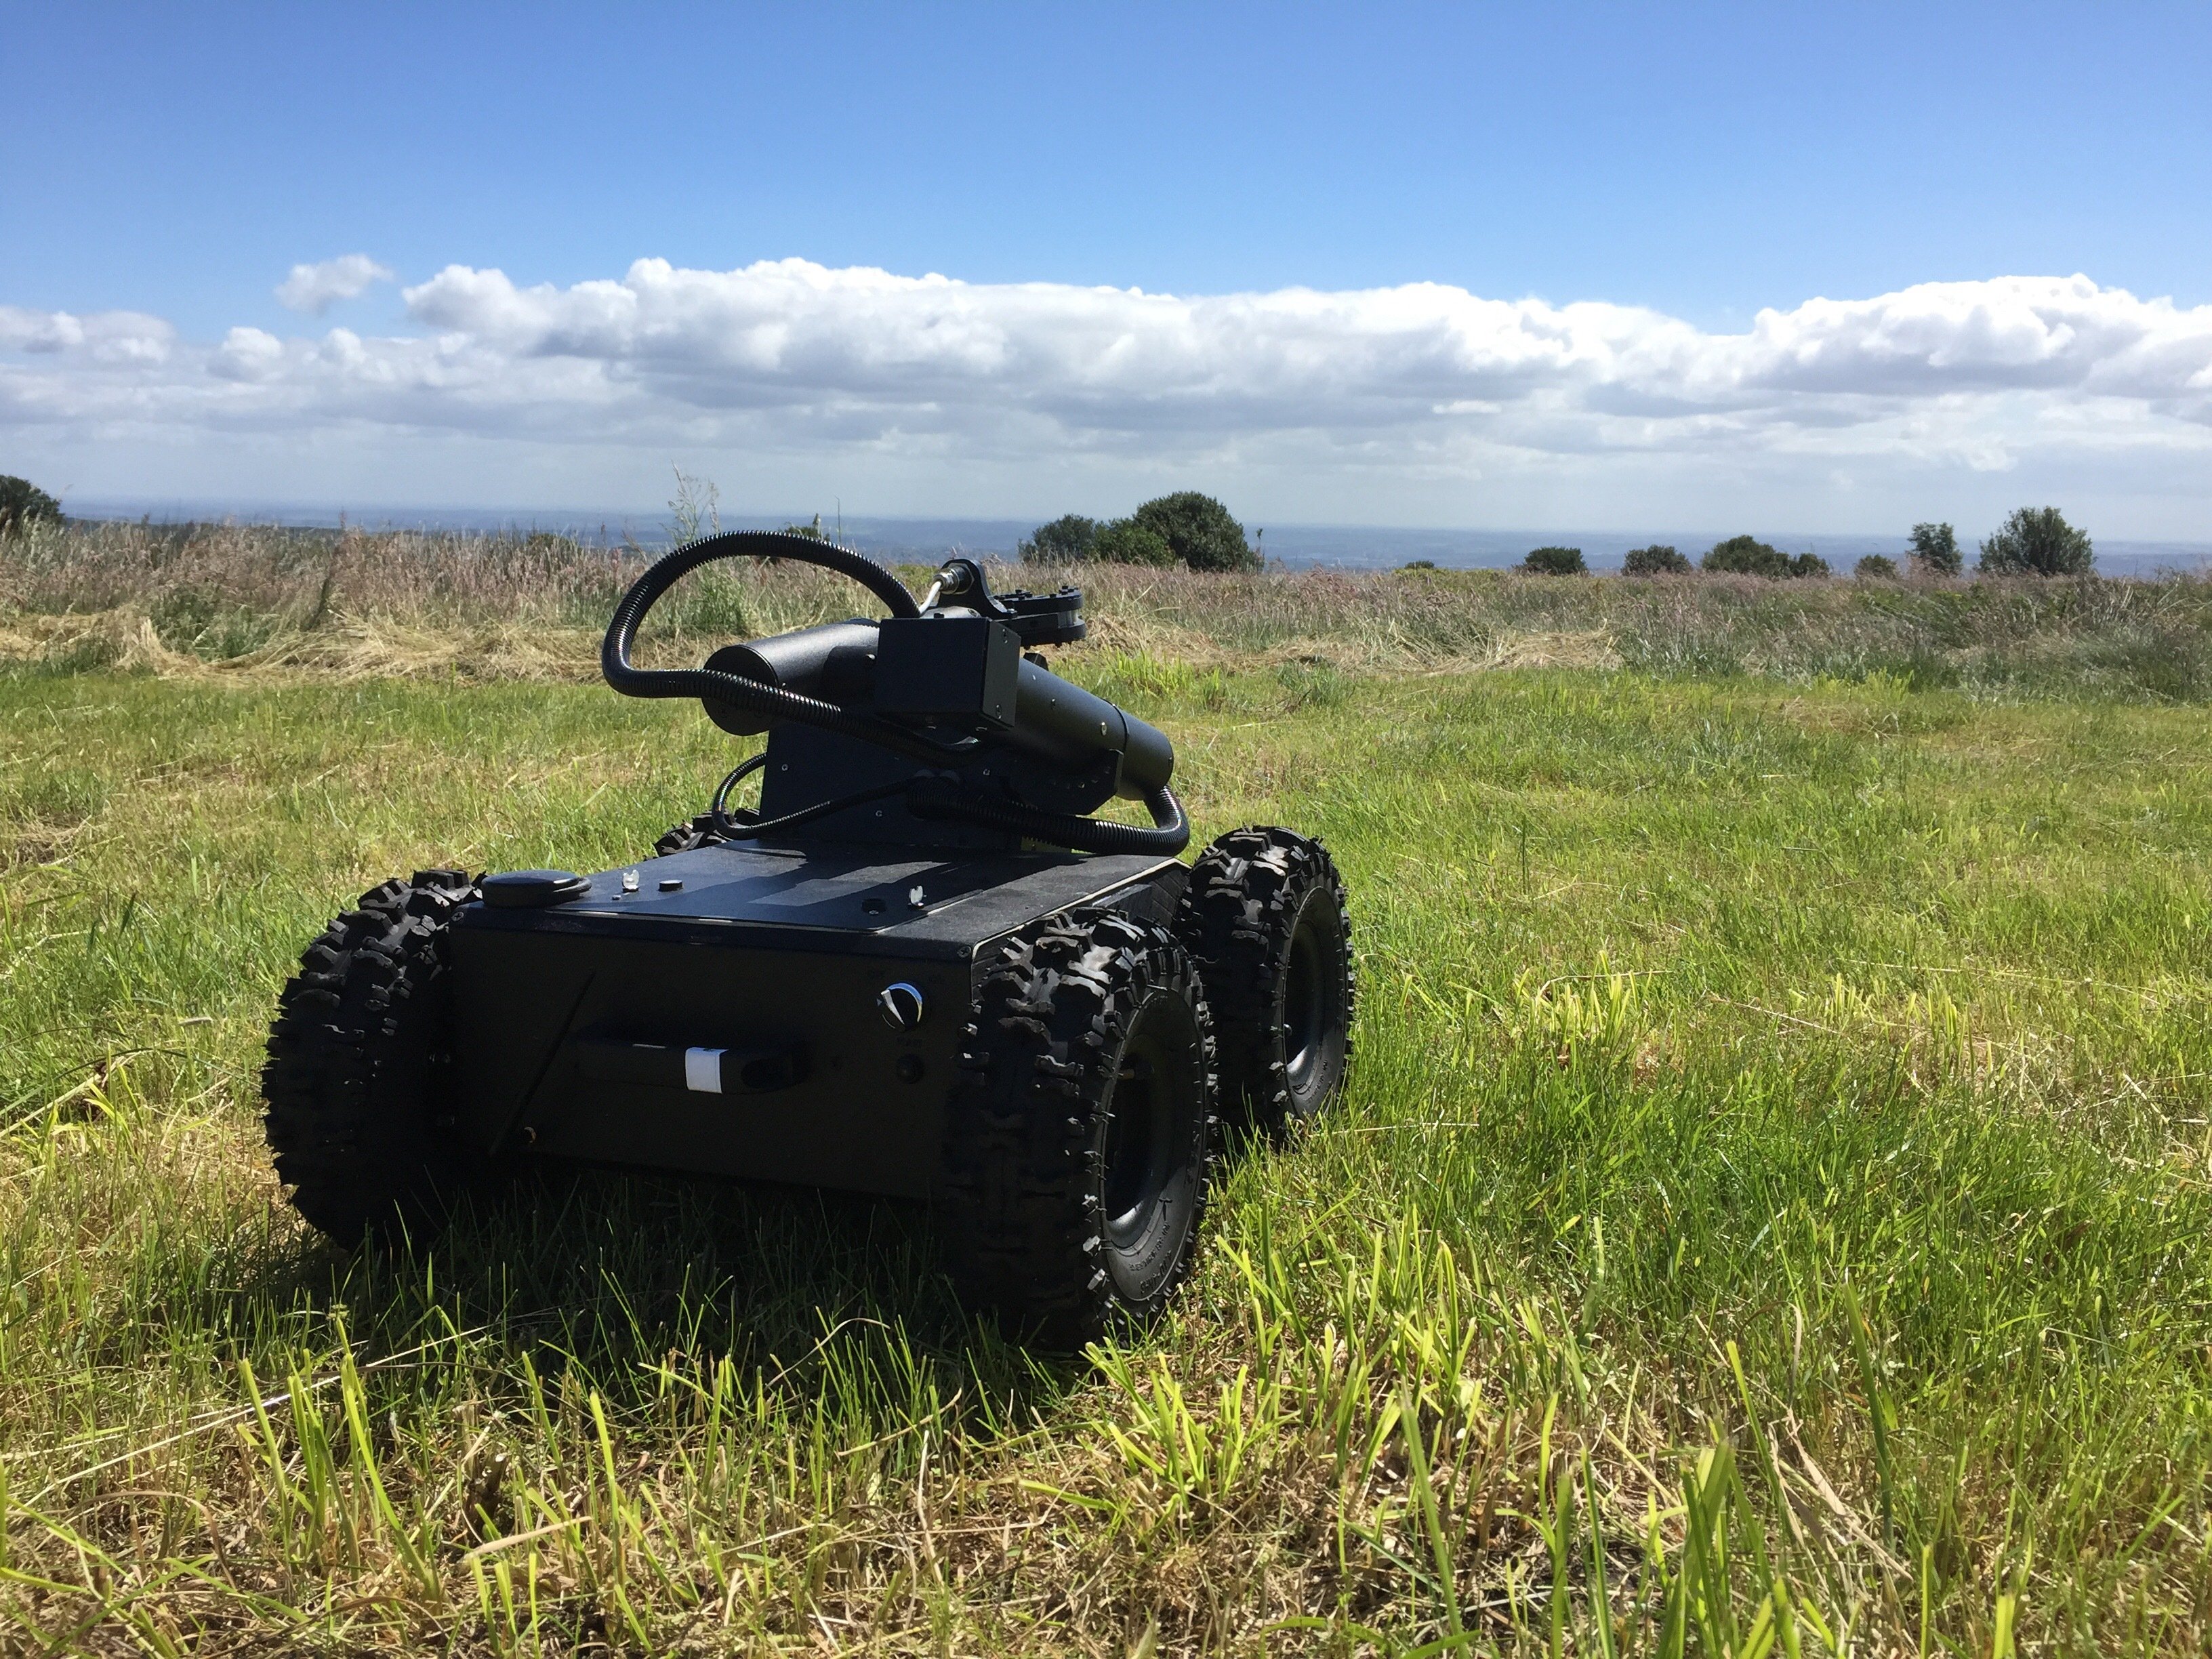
x=247 y=354
x=1350 y=400
x=103 y=337
x=789 y=328
x=314 y=288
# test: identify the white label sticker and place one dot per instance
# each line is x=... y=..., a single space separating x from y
x=703 y=1071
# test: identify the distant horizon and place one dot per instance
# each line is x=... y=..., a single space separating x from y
x=1296 y=545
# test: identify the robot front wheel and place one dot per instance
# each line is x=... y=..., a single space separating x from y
x=1081 y=1136
x=1086 y=1131
x=358 y=1068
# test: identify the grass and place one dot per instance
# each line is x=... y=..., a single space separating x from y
x=1767 y=1214
x=244 y=601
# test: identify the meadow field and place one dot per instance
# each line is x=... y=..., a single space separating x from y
x=1767 y=1213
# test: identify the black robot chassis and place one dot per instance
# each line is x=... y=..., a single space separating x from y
x=918 y=968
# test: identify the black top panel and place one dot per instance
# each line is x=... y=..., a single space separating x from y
x=918 y=905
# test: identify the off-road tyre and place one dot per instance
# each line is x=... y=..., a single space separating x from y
x=1264 y=916
x=1081 y=1135
x=359 y=1067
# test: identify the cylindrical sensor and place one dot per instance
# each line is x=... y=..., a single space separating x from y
x=1063 y=722
x=800 y=661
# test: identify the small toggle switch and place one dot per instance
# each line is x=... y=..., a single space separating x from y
x=900 y=1005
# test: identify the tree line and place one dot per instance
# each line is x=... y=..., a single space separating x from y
x=2035 y=541
x=1195 y=530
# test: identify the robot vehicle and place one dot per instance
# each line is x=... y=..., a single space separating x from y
x=920 y=969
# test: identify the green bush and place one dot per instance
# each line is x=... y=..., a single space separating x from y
x=2037 y=541
x=1936 y=549
x=1876 y=567
x=1069 y=539
x=1746 y=555
x=1127 y=541
x=23 y=504
x=1656 y=560
x=1555 y=561
x=1199 y=531
x=1418 y=564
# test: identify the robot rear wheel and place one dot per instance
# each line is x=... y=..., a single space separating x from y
x=1265 y=917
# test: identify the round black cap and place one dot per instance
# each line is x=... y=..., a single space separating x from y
x=534 y=890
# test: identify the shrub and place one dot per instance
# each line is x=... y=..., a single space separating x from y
x=1936 y=549
x=1199 y=531
x=2037 y=541
x=1127 y=541
x=1069 y=539
x=1876 y=567
x=1746 y=555
x=812 y=531
x=1418 y=564
x=1654 y=561
x=23 y=504
x=1555 y=561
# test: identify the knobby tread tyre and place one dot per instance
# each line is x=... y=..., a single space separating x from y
x=1250 y=894
x=1023 y=1191
x=357 y=1060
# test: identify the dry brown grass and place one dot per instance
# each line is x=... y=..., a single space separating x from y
x=257 y=601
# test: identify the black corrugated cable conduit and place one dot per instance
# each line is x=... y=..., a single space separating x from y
x=1171 y=833
x=772 y=701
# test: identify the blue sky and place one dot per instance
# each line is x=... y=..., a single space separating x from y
x=1696 y=167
